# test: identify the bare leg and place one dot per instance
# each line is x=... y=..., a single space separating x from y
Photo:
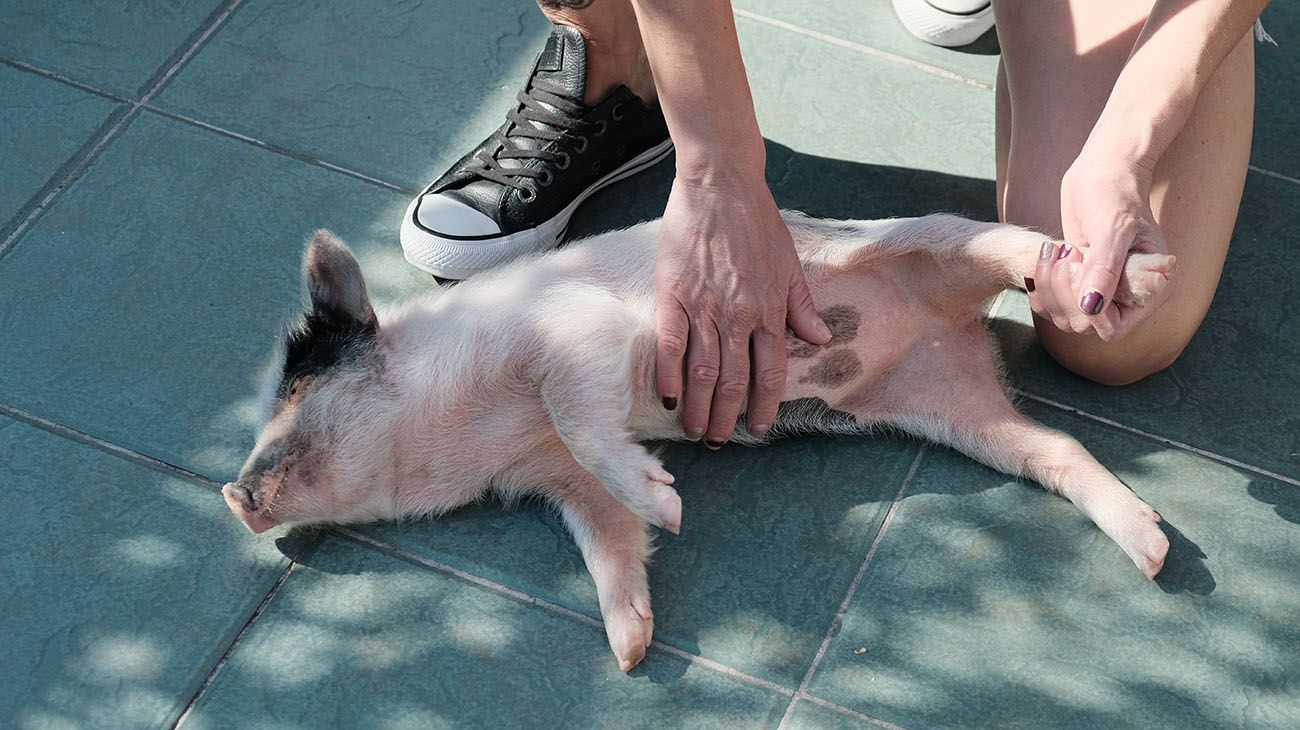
x=1059 y=62
x=615 y=54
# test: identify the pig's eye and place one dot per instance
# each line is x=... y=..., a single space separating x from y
x=298 y=388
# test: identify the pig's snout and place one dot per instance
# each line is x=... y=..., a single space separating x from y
x=241 y=503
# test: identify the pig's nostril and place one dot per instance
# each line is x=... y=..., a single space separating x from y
x=240 y=494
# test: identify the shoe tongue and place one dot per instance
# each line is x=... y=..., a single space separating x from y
x=564 y=61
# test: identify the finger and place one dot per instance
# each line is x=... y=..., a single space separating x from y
x=733 y=384
x=701 y=376
x=1101 y=274
x=1107 y=323
x=769 y=368
x=1041 y=268
x=1049 y=287
x=1064 y=285
x=801 y=314
x=671 y=329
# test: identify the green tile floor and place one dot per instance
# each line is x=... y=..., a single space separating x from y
x=164 y=162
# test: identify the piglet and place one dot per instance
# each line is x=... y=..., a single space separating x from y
x=537 y=379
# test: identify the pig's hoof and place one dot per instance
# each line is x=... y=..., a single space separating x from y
x=630 y=625
x=1144 y=541
x=668 y=512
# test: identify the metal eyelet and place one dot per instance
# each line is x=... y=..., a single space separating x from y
x=582 y=145
x=565 y=164
x=617 y=112
x=525 y=195
x=545 y=178
x=601 y=128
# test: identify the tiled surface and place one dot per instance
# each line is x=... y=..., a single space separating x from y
x=153 y=331
x=45 y=123
x=113 y=610
x=381 y=88
x=872 y=23
x=401 y=648
x=754 y=578
x=1277 y=86
x=139 y=308
x=116 y=46
x=994 y=599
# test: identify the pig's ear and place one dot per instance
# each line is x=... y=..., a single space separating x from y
x=335 y=284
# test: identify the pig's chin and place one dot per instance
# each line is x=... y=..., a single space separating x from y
x=255 y=521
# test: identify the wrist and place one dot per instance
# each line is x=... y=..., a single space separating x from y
x=720 y=162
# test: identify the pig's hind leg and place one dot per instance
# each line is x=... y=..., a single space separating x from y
x=973 y=415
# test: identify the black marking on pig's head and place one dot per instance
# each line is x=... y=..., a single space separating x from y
x=340 y=324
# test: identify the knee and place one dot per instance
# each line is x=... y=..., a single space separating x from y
x=1114 y=364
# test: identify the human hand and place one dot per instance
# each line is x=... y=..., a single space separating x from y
x=1105 y=217
x=727 y=282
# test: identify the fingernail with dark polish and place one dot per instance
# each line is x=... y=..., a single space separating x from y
x=670 y=402
x=715 y=445
x=1092 y=302
x=1029 y=284
x=1046 y=252
x=1065 y=252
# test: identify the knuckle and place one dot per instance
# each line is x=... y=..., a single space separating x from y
x=732 y=388
x=771 y=379
x=672 y=344
x=704 y=374
x=744 y=309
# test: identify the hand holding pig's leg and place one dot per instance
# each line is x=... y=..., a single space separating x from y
x=615 y=545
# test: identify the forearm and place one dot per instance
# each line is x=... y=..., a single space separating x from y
x=702 y=87
x=1178 y=50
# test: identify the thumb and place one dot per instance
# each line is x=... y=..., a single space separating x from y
x=1101 y=272
x=801 y=314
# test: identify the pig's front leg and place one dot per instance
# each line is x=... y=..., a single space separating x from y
x=615 y=545
x=589 y=405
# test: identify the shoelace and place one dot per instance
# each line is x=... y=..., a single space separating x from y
x=524 y=124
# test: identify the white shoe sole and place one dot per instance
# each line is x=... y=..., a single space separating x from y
x=451 y=258
x=939 y=28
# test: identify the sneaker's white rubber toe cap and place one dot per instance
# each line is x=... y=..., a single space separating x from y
x=947 y=23
x=448 y=217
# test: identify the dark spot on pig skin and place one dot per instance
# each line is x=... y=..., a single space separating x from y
x=836 y=369
x=321 y=340
x=843 y=321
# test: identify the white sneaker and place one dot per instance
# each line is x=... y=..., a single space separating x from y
x=947 y=23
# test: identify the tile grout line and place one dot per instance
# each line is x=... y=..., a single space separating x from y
x=61 y=78
x=208 y=126
x=522 y=597
x=67 y=179
x=121 y=452
x=836 y=622
x=234 y=644
x=1157 y=438
x=211 y=25
x=860 y=48
x=1270 y=173
x=277 y=149
x=193 y=44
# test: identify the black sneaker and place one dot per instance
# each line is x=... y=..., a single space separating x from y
x=516 y=191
